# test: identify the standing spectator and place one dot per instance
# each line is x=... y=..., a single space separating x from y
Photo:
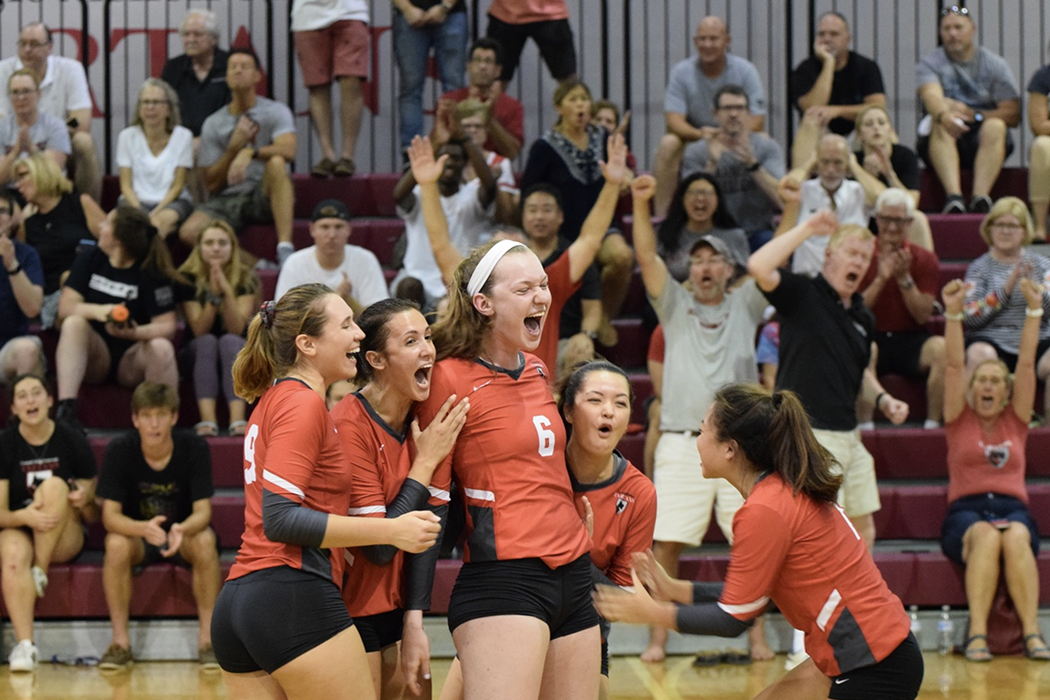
x=156 y=489
x=198 y=76
x=21 y=296
x=971 y=98
x=245 y=149
x=513 y=22
x=352 y=271
x=331 y=41
x=64 y=94
x=225 y=294
x=155 y=155
x=690 y=100
x=1039 y=156
x=832 y=86
x=27 y=130
x=697 y=210
x=419 y=26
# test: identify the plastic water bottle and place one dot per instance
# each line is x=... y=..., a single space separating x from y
x=945 y=632
x=916 y=623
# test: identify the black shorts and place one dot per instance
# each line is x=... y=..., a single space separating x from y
x=1010 y=358
x=267 y=618
x=152 y=555
x=560 y=597
x=380 y=630
x=553 y=38
x=988 y=507
x=966 y=144
x=897 y=677
x=899 y=353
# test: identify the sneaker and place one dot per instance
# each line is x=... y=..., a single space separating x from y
x=39 y=580
x=23 y=657
x=206 y=656
x=980 y=204
x=116 y=657
x=954 y=204
x=67 y=412
x=284 y=251
x=794 y=659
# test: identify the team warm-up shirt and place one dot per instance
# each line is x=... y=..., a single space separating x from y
x=66 y=455
x=509 y=462
x=807 y=558
x=292 y=451
x=624 y=517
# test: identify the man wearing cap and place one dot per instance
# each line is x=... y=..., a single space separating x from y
x=353 y=272
x=710 y=341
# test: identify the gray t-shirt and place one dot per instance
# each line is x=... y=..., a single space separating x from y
x=707 y=347
x=741 y=195
x=981 y=83
x=48 y=133
x=274 y=119
x=692 y=93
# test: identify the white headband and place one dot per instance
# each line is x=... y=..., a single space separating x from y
x=483 y=271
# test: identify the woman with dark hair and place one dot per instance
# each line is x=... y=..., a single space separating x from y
x=392 y=462
x=793 y=546
x=697 y=211
x=281 y=628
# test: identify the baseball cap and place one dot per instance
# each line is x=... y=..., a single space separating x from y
x=330 y=209
x=716 y=244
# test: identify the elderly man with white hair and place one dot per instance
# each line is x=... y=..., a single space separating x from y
x=199 y=74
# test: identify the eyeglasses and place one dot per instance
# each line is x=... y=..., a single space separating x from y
x=692 y=194
x=152 y=103
x=22 y=92
x=27 y=44
x=955 y=10
x=894 y=220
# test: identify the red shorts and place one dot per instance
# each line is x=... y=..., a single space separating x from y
x=338 y=50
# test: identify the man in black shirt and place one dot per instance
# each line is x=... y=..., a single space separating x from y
x=199 y=75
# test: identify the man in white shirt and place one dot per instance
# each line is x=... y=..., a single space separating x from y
x=353 y=272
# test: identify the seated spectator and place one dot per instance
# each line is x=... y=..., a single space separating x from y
x=117 y=312
x=697 y=210
x=154 y=155
x=47 y=492
x=606 y=113
x=21 y=295
x=512 y=23
x=64 y=94
x=1039 y=155
x=994 y=302
x=351 y=271
x=576 y=140
x=989 y=527
x=156 y=489
x=245 y=149
x=971 y=100
x=331 y=42
x=26 y=130
x=198 y=76
x=224 y=293
x=56 y=222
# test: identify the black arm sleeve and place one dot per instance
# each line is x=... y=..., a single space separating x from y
x=419 y=568
x=707 y=591
x=287 y=521
x=412 y=496
x=708 y=618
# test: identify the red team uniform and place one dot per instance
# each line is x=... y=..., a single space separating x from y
x=561 y=287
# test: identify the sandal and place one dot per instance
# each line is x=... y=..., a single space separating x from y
x=323 y=169
x=344 y=168
x=237 y=428
x=206 y=428
x=979 y=654
x=1039 y=653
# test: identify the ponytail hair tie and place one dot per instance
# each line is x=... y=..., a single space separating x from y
x=266 y=313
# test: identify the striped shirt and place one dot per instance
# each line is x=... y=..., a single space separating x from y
x=994 y=315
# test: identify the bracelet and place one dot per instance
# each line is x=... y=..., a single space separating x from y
x=956 y=316
x=1030 y=313
x=878 y=399
x=12 y=273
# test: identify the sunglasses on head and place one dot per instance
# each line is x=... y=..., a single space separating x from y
x=955 y=10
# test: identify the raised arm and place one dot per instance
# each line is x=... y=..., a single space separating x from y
x=953 y=294
x=585 y=248
x=653 y=268
x=426 y=171
x=1024 y=373
x=765 y=263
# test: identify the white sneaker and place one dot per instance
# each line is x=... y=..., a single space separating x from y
x=23 y=657
x=794 y=659
x=39 y=581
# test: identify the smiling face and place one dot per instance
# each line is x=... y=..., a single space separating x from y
x=575 y=108
x=874 y=129
x=1007 y=233
x=701 y=202
x=457 y=160
x=518 y=302
x=709 y=275
x=846 y=263
x=711 y=40
x=335 y=354
x=541 y=217
x=407 y=360
x=989 y=389
x=893 y=222
x=24 y=95
x=30 y=401
x=154 y=425
x=600 y=412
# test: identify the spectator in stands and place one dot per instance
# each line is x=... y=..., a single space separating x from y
x=994 y=302
x=747 y=165
x=21 y=295
x=606 y=113
x=352 y=271
x=61 y=222
x=198 y=76
x=331 y=41
x=155 y=155
x=47 y=492
x=689 y=101
x=881 y=163
x=710 y=341
x=832 y=87
x=512 y=23
x=156 y=489
x=130 y=268
x=223 y=294
x=971 y=98
x=900 y=288
x=1039 y=156
x=245 y=149
x=337 y=391
x=989 y=526
x=576 y=140
x=768 y=353
x=26 y=130
x=697 y=210
x=64 y=94
x=419 y=26
x=505 y=122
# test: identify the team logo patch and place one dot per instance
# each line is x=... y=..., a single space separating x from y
x=997 y=455
x=622 y=501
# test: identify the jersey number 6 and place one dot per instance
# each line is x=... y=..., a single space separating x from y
x=545 y=434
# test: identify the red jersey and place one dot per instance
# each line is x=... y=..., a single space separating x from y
x=980 y=462
x=807 y=557
x=509 y=462
x=891 y=313
x=561 y=287
x=624 y=517
x=291 y=450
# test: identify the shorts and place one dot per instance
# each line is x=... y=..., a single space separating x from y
x=339 y=50
x=859 y=494
x=560 y=597
x=183 y=207
x=381 y=630
x=966 y=144
x=987 y=507
x=1010 y=358
x=899 y=675
x=152 y=555
x=684 y=498
x=240 y=209
x=9 y=348
x=553 y=38
x=899 y=353
x=267 y=618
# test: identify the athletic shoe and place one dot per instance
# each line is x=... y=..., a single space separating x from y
x=955 y=204
x=23 y=657
x=39 y=580
x=116 y=657
x=980 y=204
x=794 y=659
x=206 y=656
